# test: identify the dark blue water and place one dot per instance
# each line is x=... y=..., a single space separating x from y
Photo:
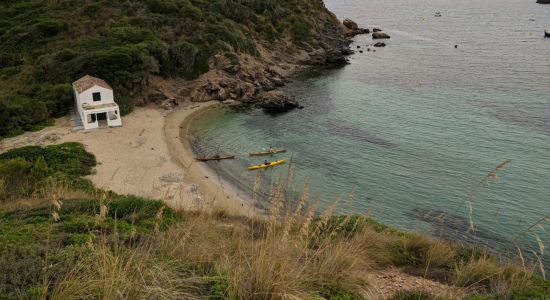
x=415 y=126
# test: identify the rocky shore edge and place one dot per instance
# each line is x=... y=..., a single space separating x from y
x=254 y=80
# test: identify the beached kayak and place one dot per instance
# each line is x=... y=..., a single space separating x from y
x=270 y=164
x=274 y=151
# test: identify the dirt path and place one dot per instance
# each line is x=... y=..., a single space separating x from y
x=386 y=283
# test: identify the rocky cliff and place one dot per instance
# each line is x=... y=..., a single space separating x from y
x=248 y=78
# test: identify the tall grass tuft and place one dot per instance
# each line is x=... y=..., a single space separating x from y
x=492 y=277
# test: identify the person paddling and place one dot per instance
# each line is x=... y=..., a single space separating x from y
x=266 y=162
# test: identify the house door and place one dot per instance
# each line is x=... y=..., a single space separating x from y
x=102 y=119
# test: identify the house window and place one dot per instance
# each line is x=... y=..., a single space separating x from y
x=92 y=118
x=96 y=96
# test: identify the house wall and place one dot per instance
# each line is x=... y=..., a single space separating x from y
x=106 y=96
x=87 y=97
x=79 y=109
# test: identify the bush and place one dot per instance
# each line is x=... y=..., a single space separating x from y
x=46 y=45
x=20 y=113
x=22 y=170
x=69 y=158
x=21 y=270
x=48 y=27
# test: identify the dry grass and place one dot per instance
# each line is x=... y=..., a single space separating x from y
x=103 y=272
x=439 y=255
x=289 y=255
x=488 y=276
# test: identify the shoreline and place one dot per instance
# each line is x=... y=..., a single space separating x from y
x=217 y=192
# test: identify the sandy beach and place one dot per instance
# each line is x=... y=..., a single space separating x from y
x=149 y=156
x=216 y=192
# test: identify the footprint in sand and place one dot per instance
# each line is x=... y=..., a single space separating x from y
x=140 y=141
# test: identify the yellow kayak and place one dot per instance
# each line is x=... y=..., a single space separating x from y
x=269 y=164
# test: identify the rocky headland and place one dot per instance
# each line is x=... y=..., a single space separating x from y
x=253 y=79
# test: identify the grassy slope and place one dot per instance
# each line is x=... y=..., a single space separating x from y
x=46 y=45
x=64 y=239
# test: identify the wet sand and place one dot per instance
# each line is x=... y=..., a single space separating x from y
x=216 y=191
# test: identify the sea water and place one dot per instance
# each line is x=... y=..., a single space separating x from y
x=412 y=130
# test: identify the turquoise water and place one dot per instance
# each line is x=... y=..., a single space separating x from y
x=414 y=126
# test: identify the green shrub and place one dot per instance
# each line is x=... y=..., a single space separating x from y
x=46 y=45
x=219 y=288
x=410 y=251
x=22 y=170
x=300 y=30
x=69 y=158
x=337 y=292
x=21 y=269
x=49 y=27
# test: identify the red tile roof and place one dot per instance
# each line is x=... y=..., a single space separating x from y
x=87 y=82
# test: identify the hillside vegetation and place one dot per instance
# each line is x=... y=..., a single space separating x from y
x=46 y=45
x=61 y=238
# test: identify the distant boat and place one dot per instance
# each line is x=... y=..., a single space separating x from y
x=215 y=158
x=546 y=33
x=437 y=14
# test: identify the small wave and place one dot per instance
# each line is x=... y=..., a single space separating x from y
x=415 y=36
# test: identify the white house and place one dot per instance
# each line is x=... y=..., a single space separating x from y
x=95 y=103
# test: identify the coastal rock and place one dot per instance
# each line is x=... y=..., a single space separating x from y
x=351 y=28
x=200 y=95
x=276 y=102
x=338 y=58
x=380 y=35
x=347 y=51
x=376 y=29
x=222 y=94
x=169 y=104
x=380 y=44
x=248 y=92
x=350 y=24
x=278 y=82
x=352 y=33
x=543 y=1
x=547 y=33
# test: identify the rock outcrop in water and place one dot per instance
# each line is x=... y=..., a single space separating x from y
x=350 y=24
x=277 y=102
x=352 y=29
x=457 y=228
x=543 y=1
x=380 y=35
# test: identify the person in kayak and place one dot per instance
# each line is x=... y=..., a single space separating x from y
x=270 y=149
x=266 y=162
